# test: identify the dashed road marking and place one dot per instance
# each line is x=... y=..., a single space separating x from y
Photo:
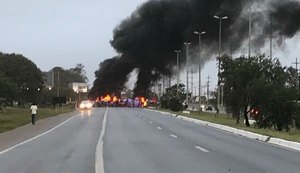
x=159 y=128
x=174 y=136
x=202 y=149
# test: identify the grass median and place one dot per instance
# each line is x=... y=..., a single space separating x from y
x=292 y=135
x=12 y=117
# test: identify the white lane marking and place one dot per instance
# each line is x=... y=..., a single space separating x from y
x=159 y=128
x=202 y=149
x=150 y=122
x=42 y=134
x=99 y=166
x=174 y=136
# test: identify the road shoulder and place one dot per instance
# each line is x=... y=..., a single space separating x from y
x=20 y=134
x=268 y=139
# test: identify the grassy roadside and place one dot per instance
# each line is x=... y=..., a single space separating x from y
x=293 y=135
x=13 y=117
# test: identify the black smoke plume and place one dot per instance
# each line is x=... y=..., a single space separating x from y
x=147 y=39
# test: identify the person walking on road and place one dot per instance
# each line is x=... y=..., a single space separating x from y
x=33 y=110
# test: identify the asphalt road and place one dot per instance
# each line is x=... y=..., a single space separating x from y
x=139 y=141
x=69 y=148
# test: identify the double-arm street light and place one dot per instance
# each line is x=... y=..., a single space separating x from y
x=187 y=72
x=220 y=47
x=199 y=34
x=177 y=70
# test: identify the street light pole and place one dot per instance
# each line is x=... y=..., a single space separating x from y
x=219 y=61
x=58 y=84
x=271 y=37
x=199 y=34
x=187 y=72
x=297 y=63
x=177 y=70
x=250 y=27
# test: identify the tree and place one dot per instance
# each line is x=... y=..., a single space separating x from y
x=237 y=78
x=63 y=78
x=79 y=72
x=258 y=82
x=171 y=100
x=21 y=81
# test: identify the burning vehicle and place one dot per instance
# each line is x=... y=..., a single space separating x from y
x=114 y=101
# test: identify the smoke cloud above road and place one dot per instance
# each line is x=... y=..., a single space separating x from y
x=147 y=39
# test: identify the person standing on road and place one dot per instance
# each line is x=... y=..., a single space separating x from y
x=33 y=110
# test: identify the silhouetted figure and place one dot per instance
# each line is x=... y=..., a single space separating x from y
x=33 y=110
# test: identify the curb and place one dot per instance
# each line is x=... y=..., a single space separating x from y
x=250 y=135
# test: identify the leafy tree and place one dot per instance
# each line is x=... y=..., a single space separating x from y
x=175 y=104
x=63 y=78
x=79 y=72
x=171 y=100
x=262 y=83
x=21 y=81
x=237 y=78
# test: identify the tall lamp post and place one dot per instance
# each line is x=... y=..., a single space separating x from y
x=58 y=94
x=220 y=47
x=250 y=27
x=199 y=34
x=187 y=72
x=177 y=70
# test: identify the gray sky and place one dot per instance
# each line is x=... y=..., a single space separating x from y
x=62 y=32
x=66 y=32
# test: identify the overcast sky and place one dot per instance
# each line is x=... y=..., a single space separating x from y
x=67 y=32
x=62 y=32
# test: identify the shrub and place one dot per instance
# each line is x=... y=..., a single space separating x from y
x=164 y=102
x=175 y=104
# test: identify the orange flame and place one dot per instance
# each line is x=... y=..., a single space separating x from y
x=107 y=98
x=115 y=99
x=145 y=103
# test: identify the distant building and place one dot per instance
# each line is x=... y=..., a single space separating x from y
x=79 y=87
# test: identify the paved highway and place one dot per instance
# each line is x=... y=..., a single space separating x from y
x=139 y=141
x=69 y=148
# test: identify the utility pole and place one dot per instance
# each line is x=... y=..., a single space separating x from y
x=163 y=85
x=58 y=83
x=177 y=70
x=231 y=51
x=169 y=81
x=271 y=37
x=219 y=61
x=297 y=82
x=250 y=27
x=52 y=78
x=222 y=95
x=187 y=72
x=208 y=81
x=192 y=82
x=199 y=33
